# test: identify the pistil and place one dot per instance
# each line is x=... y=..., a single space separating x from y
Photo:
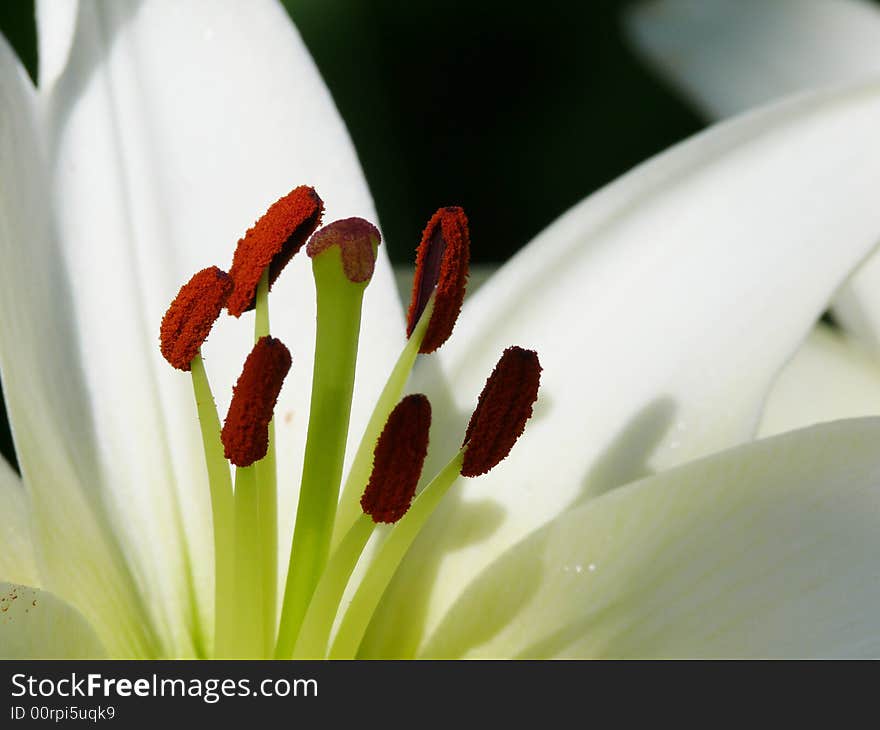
x=343 y=255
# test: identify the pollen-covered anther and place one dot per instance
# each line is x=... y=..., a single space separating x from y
x=441 y=266
x=398 y=460
x=357 y=240
x=502 y=410
x=192 y=314
x=245 y=433
x=272 y=242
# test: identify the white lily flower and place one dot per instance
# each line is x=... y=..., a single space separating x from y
x=662 y=308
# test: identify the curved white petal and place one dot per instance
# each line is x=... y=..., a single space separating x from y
x=18 y=563
x=35 y=624
x=767 y=550
x=172 y=128
x=857 y=306
x=661 y=309
x=830 y=377
x=730 y=55
x=77 y=548
x=56 y=20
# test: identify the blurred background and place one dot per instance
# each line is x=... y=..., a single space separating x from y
x=513 y=111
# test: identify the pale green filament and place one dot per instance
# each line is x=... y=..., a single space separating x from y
x=312 y=642
x=220 y=483
x=249 y=634
x=338 y=327
x=261 y=307
x=361 y=466
x=387 y=559
x=267 y=491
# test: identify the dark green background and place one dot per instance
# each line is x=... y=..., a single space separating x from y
x=513 y=110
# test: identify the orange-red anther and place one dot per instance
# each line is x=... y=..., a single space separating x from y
x=189 y=318
x=441 y=263
x=502 y=410
x=398 y=459
x=272 y=242
x=245 y=433
x=356 y=239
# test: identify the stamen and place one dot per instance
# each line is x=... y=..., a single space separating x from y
x=397 y=466
x=502 y=410
x=349 y=509
x=189 y=319
x=398 y=459
x=442 y=264
x=245 y=433
x=498 y=421
x=357 y=240
x=272 y=242
x=387 y=558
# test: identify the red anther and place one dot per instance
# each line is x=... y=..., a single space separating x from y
x=356 y=239
x=189 y=318
x=502 y=410
x=272 y=242
x=245 y=433
x=398 y=460
x=442 y=262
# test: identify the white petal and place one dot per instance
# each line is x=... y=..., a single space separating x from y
x=35 y=624
x=661 y=309
x=18 y=563
x=175 y=125
x=56 y=20
x=830 y=377
x=730 y=55
x=857 y=306
x=46 y=398
x=768 y=550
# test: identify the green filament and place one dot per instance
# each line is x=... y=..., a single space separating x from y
x=318 y=622
x=361 y=466
x=388 y=556
x=267 y=491
x=220 y=484
x=249 y=634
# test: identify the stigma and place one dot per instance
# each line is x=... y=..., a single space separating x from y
x=357 y=240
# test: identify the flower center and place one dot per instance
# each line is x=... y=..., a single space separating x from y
x=333 y=524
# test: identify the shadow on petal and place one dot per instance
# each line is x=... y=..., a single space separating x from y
x=628 y=456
